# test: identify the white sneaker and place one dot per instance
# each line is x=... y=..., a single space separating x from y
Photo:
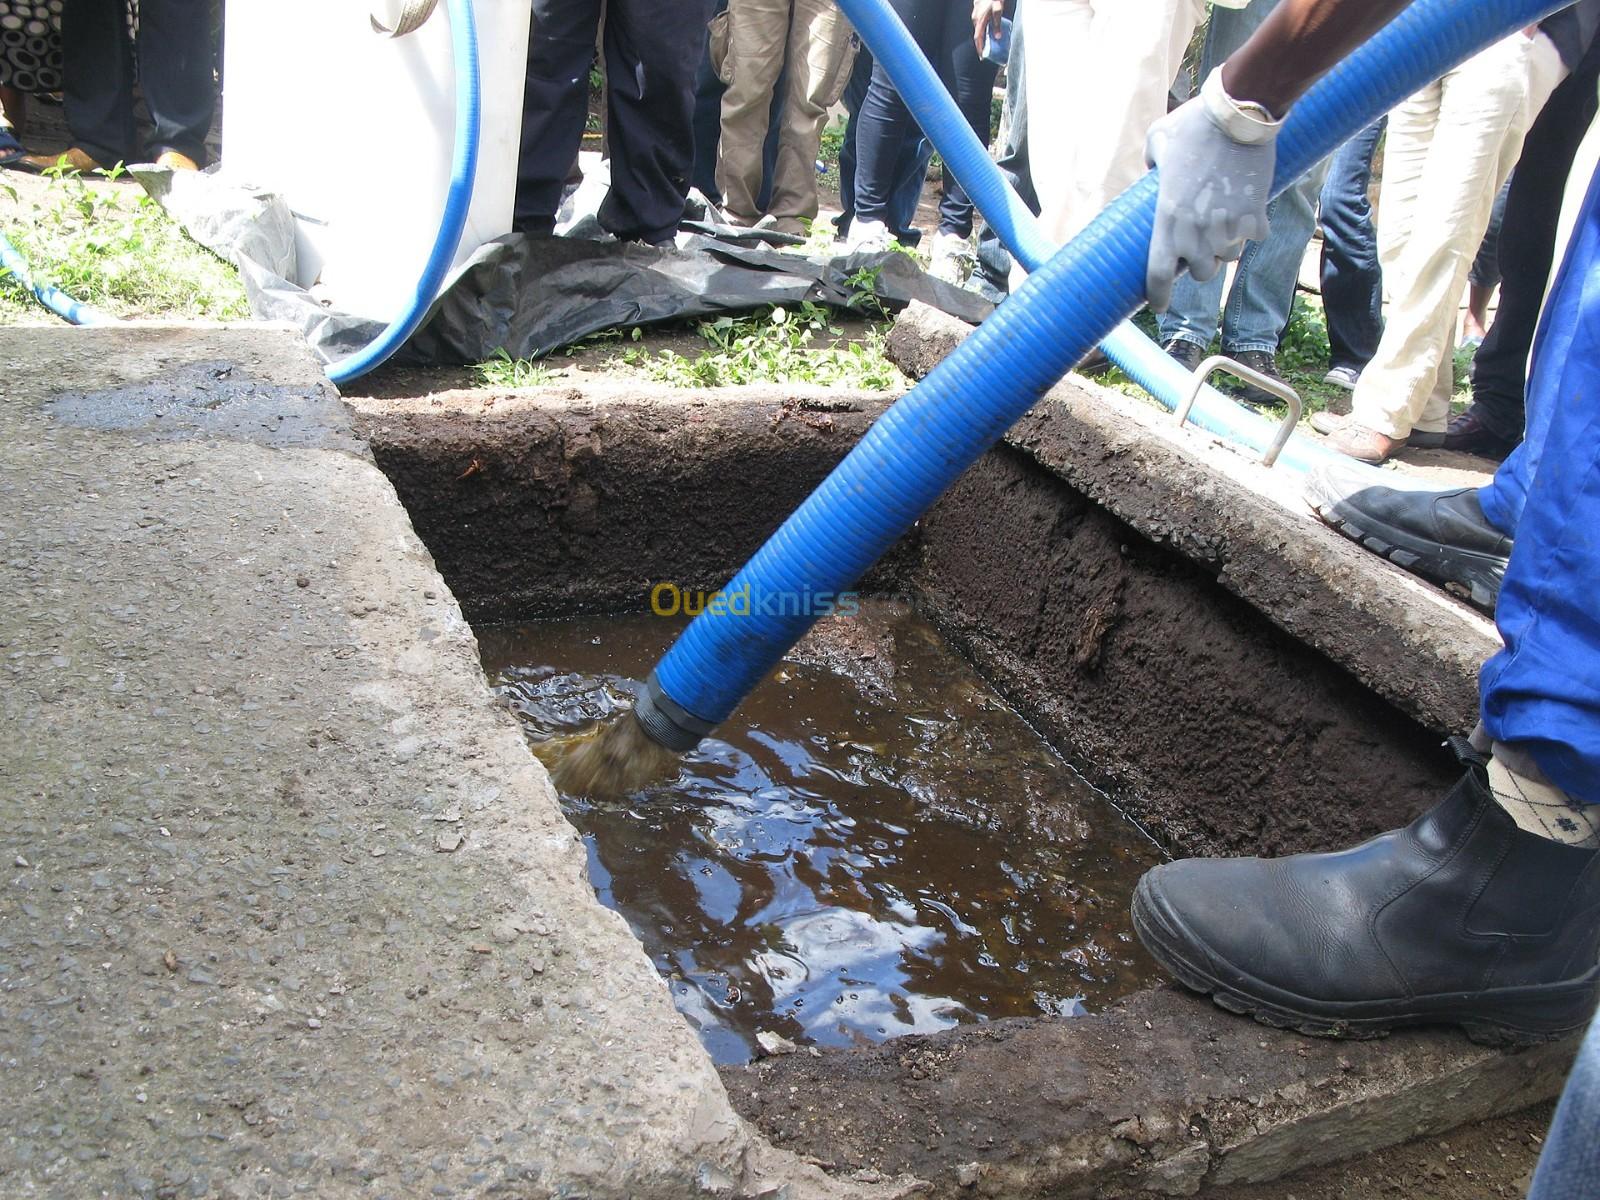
x=953 y=258
x=868 y=236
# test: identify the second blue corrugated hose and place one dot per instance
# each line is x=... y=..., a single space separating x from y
x=942 y=426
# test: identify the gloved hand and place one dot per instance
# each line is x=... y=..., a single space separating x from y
x=1215 y=157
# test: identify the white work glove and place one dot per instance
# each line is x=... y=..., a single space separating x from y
x=1215 y=157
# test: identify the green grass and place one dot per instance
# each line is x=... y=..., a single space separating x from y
x=774 y=347
x=116 y=249
x=1302 y=360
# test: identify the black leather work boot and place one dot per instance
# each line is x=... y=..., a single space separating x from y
x=1441 y=536
x=1263 y=363
x=1461 y=918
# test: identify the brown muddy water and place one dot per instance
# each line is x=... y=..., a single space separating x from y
x=874 y=845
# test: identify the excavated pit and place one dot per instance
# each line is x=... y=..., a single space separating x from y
x=1192 y=708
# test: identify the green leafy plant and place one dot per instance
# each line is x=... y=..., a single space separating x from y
x=864 y=298
x=503 y=371
x=773 y=347
x=1304 y=344
x=116 y=250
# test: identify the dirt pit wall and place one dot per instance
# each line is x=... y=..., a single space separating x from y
x=1205 y=721
x=568 y=500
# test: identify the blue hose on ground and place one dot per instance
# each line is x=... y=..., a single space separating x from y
x=458 y=202
x=53 y=298
x=943 y=425
x=886 y=36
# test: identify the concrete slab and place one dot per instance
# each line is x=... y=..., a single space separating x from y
x=287 y=905
x=1409 y=642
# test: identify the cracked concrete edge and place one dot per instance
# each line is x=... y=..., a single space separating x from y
x=1162 y=1094
x=1408 y=642
x=609 y=1139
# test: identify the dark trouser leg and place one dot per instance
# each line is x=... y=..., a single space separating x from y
x=909 y=171
x=555 y=104
x=994 y=260
x=652 y=49
x=708 y=91
x=1570 y=1161
x=973 y=78
x=885 y=124
x=855 y=92
x=1352 y=281
x=1485 y=271
x=176 y=74
x=97 y=64
x=1527 y=245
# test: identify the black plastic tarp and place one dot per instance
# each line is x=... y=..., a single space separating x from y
x=531 y=296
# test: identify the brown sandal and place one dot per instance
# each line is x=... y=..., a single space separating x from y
x=72 y=160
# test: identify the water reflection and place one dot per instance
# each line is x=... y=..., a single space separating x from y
x=875 y=845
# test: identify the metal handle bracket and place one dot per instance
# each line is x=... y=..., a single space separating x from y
x=1273 y=387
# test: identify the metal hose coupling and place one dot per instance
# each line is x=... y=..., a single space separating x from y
x=666 y=721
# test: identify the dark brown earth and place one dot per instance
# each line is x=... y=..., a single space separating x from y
x=1492 y=1160
x=573 y=500
x=1220 y=733
x=1161 y=1090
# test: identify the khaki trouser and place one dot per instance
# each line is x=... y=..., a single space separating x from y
x=820 y=52
x=1449 y=150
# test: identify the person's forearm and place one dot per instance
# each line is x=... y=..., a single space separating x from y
x=1297 y=44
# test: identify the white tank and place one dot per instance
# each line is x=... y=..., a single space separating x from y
x=357 y=130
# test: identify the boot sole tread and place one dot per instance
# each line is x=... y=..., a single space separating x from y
x=1465 y=574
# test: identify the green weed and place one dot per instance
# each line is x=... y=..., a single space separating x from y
x=116 y=250
x=503 y=371
x=774 y=347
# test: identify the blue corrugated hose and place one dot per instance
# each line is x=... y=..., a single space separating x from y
x=53 y=298
x=966 y=158
x=942 y=426
x=458 y=202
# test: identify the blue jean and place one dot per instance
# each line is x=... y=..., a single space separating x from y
x=1352 y=280
x=910 y=169
x=1541 y=693
x=1262 y=295
x=1569 y=1167
x=942 y=29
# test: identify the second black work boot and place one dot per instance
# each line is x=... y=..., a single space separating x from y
x=1461 y=918
x=1441 y=536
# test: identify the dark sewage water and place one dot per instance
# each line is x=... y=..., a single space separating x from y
x=874 y=845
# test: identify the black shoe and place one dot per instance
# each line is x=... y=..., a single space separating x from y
x=1441 y=536
x=1185 y=353
x=1461 y=919
x=1262 y=363
x=1468 y=434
